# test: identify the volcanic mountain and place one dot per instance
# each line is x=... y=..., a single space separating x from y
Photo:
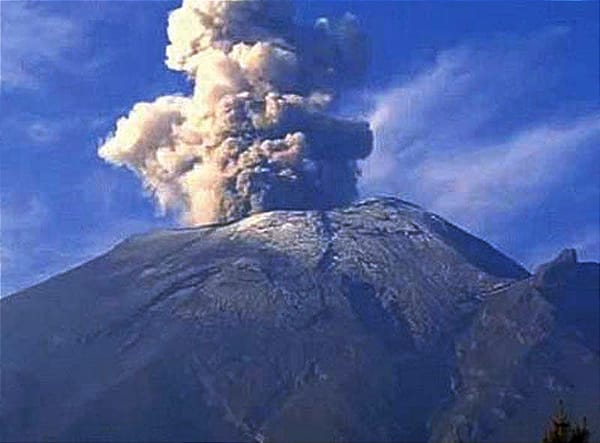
x=374 y=322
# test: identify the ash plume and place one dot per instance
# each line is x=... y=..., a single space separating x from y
x=254 y=135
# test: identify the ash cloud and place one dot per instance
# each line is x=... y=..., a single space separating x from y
x=255 y=134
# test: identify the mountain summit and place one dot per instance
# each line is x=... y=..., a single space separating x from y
x=374 y=322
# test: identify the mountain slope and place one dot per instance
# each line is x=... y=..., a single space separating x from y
x=375 y=322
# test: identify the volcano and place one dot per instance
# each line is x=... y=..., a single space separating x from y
x=373 y=322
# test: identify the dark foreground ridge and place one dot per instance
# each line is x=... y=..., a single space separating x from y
x=376 y=322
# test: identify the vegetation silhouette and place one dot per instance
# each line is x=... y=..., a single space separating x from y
x=563 y=431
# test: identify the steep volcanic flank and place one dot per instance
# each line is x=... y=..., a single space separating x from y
x=377 y=322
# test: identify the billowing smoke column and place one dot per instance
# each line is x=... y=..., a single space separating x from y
x=253 y=136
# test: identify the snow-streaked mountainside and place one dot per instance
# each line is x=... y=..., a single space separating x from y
x=376 y=322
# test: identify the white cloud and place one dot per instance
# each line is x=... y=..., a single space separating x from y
x=459 y=139
x=34 y=247
x=29 y=214
x=445 y=106
x=20 y=225
x=42 y=132
x=30 y=251
x=32 y=40
x=500 y=178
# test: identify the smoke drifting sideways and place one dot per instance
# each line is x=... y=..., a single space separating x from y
x=254 y=136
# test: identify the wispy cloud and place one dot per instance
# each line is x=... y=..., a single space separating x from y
x=21 y=223
x=500 y=178
x=40 y=235
x=460 y=138
x=37 y=41
x=30 y=253
x=42 y=132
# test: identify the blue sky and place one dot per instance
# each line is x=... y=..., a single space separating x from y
x=485 y=112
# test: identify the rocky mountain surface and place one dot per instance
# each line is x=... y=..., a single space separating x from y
x=376 y=322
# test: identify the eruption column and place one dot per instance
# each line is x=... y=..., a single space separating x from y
x=254 y=135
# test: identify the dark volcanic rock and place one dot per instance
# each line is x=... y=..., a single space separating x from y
x=377 y=322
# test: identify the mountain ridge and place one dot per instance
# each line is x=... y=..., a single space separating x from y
x=262 y=325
